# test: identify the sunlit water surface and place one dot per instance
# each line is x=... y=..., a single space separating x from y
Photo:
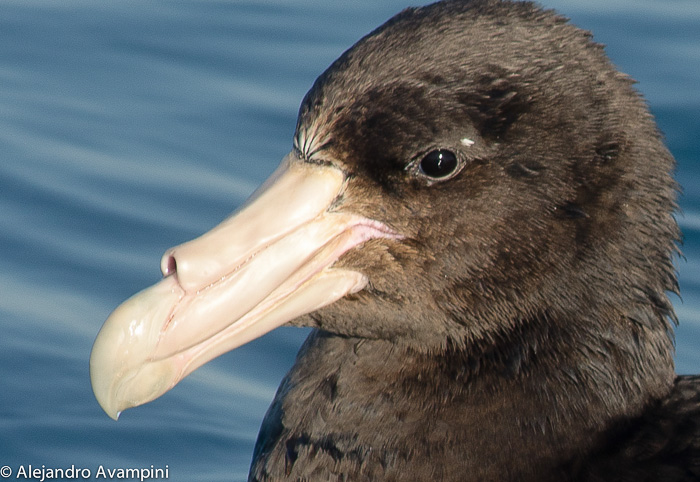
x=127 y=127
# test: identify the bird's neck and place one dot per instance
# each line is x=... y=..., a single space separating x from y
x=489 y=416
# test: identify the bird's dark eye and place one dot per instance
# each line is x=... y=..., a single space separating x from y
x=439 y=164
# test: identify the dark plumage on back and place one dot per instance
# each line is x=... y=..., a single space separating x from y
x=520 y=329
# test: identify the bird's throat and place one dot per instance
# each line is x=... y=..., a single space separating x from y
x=393 y=411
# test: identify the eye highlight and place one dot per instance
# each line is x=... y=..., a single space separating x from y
x=438 y=164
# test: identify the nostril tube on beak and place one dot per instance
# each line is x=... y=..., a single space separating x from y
x=168 y=265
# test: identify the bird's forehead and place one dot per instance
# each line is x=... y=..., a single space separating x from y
x=376 y=121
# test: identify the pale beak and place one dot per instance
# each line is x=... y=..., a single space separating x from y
x=268 y=264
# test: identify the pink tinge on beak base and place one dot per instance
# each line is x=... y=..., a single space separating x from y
x=268 y=264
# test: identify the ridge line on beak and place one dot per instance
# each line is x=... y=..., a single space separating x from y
x=268 y=264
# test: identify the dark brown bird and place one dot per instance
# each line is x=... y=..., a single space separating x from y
x=477 y=218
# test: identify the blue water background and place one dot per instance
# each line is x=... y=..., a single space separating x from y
x=127 y=127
